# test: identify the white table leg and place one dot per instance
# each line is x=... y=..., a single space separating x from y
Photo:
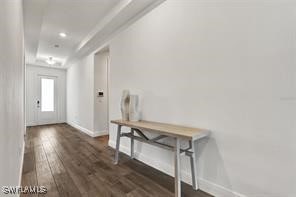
x=117 y=144
x=177 y=169
x=193 y=162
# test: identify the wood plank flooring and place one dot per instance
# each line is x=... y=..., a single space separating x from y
x=70 y=163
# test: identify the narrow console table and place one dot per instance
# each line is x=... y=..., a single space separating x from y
x=192 y=135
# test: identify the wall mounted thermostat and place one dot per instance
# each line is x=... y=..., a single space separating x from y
x=100 y=94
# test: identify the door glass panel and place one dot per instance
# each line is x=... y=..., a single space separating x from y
x=47 y=95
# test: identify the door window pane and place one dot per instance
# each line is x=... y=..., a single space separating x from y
x=47 y=94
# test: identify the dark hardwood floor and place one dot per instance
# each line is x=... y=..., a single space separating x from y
x=70 y=163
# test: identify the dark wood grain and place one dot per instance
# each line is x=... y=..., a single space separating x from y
x=70 y=163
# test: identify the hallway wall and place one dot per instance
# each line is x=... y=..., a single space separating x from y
x=80 y=95
x=12 y=71
x=227 y=66
x=85 y=111
x=101 y=84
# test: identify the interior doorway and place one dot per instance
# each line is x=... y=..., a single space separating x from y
x=101 y=88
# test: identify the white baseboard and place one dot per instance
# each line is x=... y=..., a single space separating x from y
x=35 y=124
x=204 y=185
x=31 y=124
x=100 y=133
x=84 y=130
x=22 y=163
x=87 y=131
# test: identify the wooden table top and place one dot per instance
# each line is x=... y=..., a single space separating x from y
x=165 y=129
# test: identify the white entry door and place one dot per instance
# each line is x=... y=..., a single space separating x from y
x=47 y=101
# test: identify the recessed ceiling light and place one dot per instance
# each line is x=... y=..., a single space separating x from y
x=63 y=35
x=50 y=61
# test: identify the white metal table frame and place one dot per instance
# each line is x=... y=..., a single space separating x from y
x=191 y=151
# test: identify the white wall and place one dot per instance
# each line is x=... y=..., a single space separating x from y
x=227 y=66
x=85 y=110
x=12 y=124
x=32 y=85
x=101 y=84
x=80 y=95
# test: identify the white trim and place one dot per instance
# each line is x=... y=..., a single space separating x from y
x=84 y=130
x=31 y=124
x=204 y=185
x=34 y=124
x=100 y=133
x=22 y=163
x=87 y=131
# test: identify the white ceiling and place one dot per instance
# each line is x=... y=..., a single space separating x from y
x=87 y=23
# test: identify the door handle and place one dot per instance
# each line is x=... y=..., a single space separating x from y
x=38 y=104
